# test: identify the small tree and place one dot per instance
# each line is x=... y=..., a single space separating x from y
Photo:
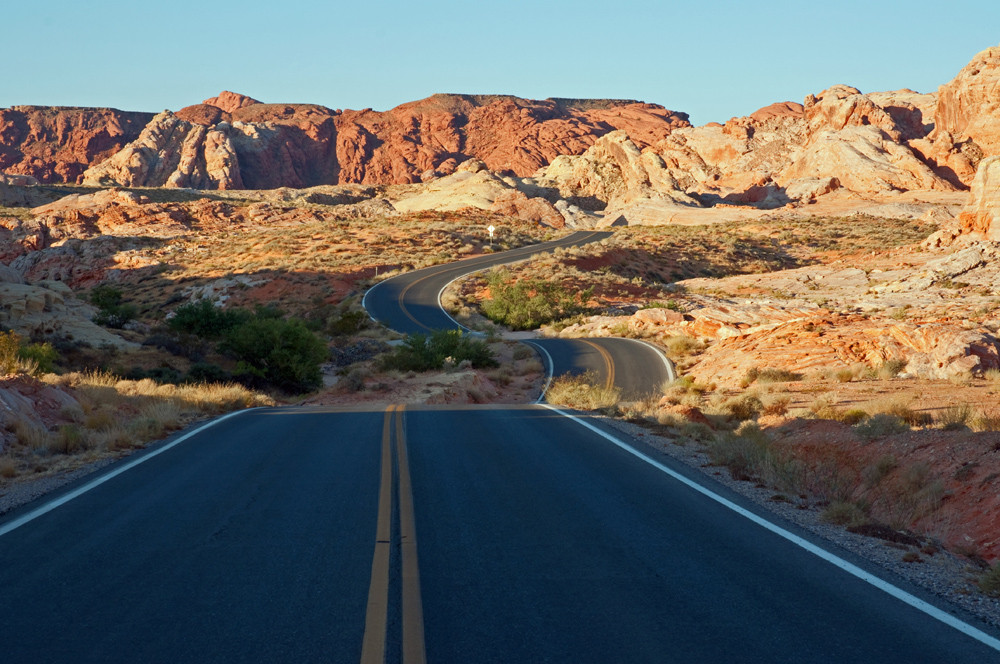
x=282 y=352
x=111 y=311
x=206 y=320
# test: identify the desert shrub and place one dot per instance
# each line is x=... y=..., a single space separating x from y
x=282 y=352
x=743 y=407
x=421 y=352
x=955 y=418
x=989 y=581
x=749 y=454
x=204 y=319
x=682 y=345
x=986 y=420
x=349 y=322
x=770 y=375
x=69 y=439
x=43 y=355
x=10 y=345
x=111 y=311
x=890 y=368
x=881 y=424
x=582 y=392
x=844 y=513
x=530 y=303
x=777 y=406
x=900 y=408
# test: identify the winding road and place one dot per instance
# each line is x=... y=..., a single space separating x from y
x=448 y=534
x=411 y=303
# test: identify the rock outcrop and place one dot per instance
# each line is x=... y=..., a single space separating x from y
x=171 y=152
x=56 y=144
x=233 y=141
x=864 y=145
x=615 y=175
x=980 y=220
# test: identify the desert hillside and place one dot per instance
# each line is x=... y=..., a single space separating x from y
x=824 y=272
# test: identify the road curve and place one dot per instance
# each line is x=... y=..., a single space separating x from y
x=409 y=303
x=265 y=538
x=634 y=367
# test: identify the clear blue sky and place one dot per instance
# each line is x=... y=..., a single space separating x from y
x=713 y=60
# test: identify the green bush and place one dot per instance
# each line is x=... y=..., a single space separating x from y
x=282 y=352
x=204 y=319
x=530 y=303
x=420 y=352
x=349 y=322
x=43 y=355
x=111 y=311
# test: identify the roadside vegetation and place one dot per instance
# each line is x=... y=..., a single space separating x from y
x=83 y=416
x=438 y=350
x=530 y=303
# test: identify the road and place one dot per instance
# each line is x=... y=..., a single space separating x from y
x=634 y=367
x=470 y=534
x=410 y=303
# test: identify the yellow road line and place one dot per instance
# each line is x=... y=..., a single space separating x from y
x=376 y=614
x=609 y=364
x=413 y=612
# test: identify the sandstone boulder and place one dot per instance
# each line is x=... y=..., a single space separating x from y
x=863 y=141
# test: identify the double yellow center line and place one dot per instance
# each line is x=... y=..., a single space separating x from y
x=609 y=364
x=376 y=615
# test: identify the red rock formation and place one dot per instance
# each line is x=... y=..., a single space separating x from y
x=507 y=133
x=966 y=120
x=302 y=145
x=55 y=144
x=781 y=109
x=203 y=114
x=229 y=102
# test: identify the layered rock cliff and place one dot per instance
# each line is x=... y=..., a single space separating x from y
x=54 y=144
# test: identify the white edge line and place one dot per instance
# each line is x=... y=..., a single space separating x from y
x=364 y=298
x=850 y=568
x=445 y=311
x=552 y=368
x=76 y=493
x=671 y=371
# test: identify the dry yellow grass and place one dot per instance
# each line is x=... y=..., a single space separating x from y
x=582 y=392
x=114 y=415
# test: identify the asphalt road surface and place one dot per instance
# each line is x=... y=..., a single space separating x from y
x=473 y=534
x=636 y=368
